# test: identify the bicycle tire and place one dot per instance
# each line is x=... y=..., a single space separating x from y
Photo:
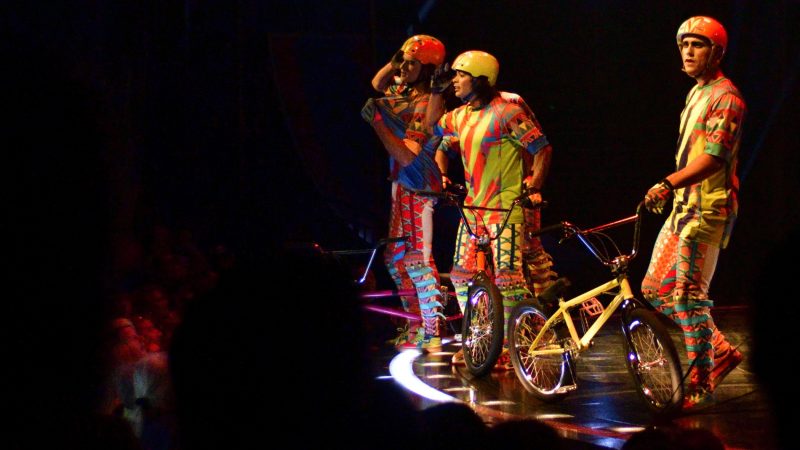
x=548 y=377
x=653 y=362
x=482 y=327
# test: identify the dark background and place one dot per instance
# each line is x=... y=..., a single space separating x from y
x=239 y=120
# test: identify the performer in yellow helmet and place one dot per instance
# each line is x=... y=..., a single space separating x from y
x=500 y=142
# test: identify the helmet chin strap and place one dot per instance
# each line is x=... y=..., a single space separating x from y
x=468 y=98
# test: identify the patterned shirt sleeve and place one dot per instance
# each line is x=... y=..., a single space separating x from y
x=446 y=125
x=722 y=125
x=522 y=130
x=416 y=129
x=450 y=146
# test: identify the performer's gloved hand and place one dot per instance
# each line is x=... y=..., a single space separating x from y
x=534 y=195
x=657 y=197
x=441 y=79
x=397 y=60
x=370 y=112
x=446 y=183
x=534 y=198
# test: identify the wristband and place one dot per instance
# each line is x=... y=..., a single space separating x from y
x=669 y=185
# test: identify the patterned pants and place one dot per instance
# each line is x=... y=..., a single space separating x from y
x=410 y=263
x=506 y=251
x=537 y=263
x=676 y=283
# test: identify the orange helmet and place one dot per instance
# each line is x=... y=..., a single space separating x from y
x=425 y=49
x=477 y=63
x=706 y=27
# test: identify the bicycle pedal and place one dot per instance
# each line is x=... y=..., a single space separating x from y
x=567 y=388
x=592 y=307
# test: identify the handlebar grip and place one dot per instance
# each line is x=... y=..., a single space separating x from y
x=547 y=229
x=454 y=192
x=393 y=239
x=640 y=207
x=457 y=189
x=439 y=194
x=528 y=204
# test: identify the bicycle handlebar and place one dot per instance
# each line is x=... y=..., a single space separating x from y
x=571 y=230
x=550 y=229
x=457 y=193
x=390 y=240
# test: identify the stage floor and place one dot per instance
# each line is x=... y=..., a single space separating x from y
x=605 y=410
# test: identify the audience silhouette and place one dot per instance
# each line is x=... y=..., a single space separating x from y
x=524 y=434
x=451 y=425
x=56 y=253
x=231 y=353
x=672 y=437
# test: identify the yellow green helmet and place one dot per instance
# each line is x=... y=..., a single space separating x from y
x=478 y=63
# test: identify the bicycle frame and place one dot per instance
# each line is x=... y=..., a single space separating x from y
x=483 y=240
x=563 y=312
x=372 y=252
x=544 y=339
x=387 y=293
x=618 y=265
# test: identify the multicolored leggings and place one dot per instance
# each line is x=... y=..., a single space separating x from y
x=537 y=263
x=506 y=251
x=676 y=283
x=410 y=263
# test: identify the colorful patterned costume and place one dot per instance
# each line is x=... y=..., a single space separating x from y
x=492 y=140
x=411 y=263
x=686 y=250
x=537 y=262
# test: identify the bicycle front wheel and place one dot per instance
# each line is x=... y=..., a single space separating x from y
x=653 y=361
x=548 y=377
x=482 y=330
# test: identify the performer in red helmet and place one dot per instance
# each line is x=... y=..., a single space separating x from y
x=704 y=190
x=398 y=119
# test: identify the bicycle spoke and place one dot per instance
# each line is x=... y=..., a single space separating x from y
x=483 y=326
x=543 y=372
x=651 y=365
x=480 y=330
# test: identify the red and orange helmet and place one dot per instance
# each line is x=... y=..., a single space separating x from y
x=706 y=27
x=425 y=49
x=477 y=63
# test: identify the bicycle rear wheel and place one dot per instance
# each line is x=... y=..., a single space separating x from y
x=482 y=329
x=653 y=361
x=548 y=377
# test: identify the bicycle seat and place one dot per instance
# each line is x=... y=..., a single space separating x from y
x=549 y=298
